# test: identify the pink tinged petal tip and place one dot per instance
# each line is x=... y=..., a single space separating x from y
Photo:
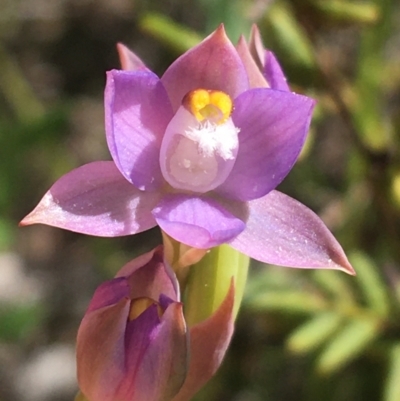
x=282 y=231
x=267 y=62
x=273 y=127
x=256 y=47
x=129 y=60
x=256 y=78
x=149 y=276
x=213 y=64
x=195 y=221
x=95 y=199
x=137 y=112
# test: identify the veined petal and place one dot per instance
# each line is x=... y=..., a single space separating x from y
x=137 y=112
x=273 y=73
x=209 y=341
x=128 y=59
x=273 y=126
x=196 y=221
x=95 y=199
x=256 y=78
x=213 y=64
x=282 y=231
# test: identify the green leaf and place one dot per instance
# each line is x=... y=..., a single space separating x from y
x=290 y=34
x=371 y=283
x=314 y=332
x=228 y=12
x=336 y=284
x=17 y=90
x=292 y=302
x=392 y=388
x=17 y=322
x=178 y=37
x=363 y=12
x=7 y=233
x=375 y=132
x=349 y=343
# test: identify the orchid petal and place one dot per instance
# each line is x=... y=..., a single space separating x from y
x=266 y=62
x=256 y=47
x=195 y=221
x=209 y=341
x=213 y=64
x=85 y=201
x=109 y=293
x=154 y=279
x=273 y=126
x=137 y=114
x=128 y=59
x=256 y=78
x=273 y=73
x=161 y=354
x=282 y=231
x=100 y=373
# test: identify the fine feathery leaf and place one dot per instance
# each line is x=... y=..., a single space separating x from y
x=392 y=388
x=334 y=284
x=349 y=343
x=314 y=332
x=288 y=302
x=373 y=288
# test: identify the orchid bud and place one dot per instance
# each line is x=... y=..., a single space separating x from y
x=132 y=342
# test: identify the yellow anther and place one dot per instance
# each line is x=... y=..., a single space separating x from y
x=212 y=105
x=139 y=305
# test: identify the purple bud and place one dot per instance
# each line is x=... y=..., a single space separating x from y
x=132 y=342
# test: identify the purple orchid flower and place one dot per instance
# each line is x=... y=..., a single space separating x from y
x=133 y=342
x=199 y=152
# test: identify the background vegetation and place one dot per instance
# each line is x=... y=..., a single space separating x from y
x=301 y=335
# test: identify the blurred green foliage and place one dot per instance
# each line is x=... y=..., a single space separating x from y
x=301 y=335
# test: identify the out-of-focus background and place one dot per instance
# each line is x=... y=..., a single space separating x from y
x=301 y=335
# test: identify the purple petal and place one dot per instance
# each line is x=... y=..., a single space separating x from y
x=256 y=47
x=273 y=73
x=148 y=276
x=129 y=60
x=256 y=78
x=109 y=293
x=95 y=199
x=267 y=62
x=198 y=222
x=100 y=373
x=213 y=64
x=137 y=112
x=273 y=126
x=282 y=231
x=157 y=355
